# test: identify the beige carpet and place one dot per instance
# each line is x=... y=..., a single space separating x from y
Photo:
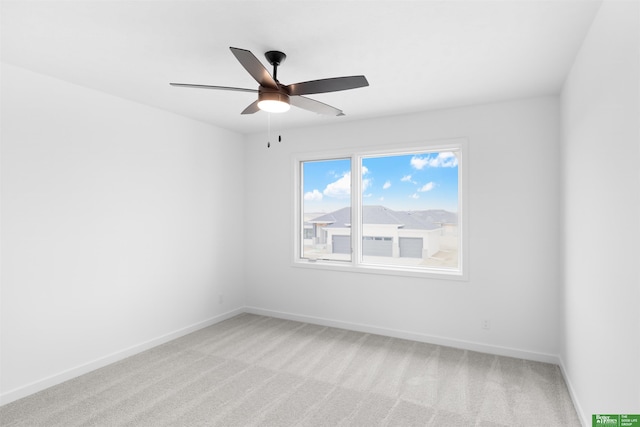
x=255 y=370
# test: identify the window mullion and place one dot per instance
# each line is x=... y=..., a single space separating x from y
x=356 y=210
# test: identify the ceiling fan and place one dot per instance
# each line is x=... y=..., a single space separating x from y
x=273 y=96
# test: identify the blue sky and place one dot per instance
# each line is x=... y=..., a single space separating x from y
x=407 y=182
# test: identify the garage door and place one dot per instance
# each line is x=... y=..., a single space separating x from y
x=377 y=246
x=411 y=247
x=341 y=244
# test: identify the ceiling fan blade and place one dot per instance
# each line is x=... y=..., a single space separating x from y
x=252 y=108
x=254 y=67
x=327 y=85
x=236 y=89
x=315 y=106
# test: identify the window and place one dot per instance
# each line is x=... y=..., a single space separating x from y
x=404 y=215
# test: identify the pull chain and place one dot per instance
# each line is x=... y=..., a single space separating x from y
x=268 y=130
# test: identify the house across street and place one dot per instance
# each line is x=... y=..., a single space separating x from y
x=426 y=237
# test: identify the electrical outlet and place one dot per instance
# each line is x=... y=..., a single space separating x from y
x=486 y=324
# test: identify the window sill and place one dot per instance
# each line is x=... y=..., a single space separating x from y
x=432 y=273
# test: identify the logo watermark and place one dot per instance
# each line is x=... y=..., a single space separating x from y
x=618 y=420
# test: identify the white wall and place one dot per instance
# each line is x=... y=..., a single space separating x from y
x=514 y=234
x=601 y=219
x=120 y=228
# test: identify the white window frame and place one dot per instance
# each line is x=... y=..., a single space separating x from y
x=459 y=145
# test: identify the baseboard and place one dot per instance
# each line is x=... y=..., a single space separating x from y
x=61 y=377
x=414 y=336
x=585 y=419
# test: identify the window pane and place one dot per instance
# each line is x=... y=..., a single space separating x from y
x=326 y=208
x=410 y=210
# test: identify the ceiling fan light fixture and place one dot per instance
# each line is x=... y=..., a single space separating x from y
x=273 y=102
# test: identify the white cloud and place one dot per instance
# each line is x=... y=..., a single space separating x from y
x=407 y=178
x=419 y=162
x=414 y=196
x=339 y=189
x=313 y=195
x=427 y=187
x=366 y=182
x=446 y=159
x=386 y=185
x=367 y=195
x=381 y=199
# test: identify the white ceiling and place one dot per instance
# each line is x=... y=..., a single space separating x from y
x=416 y=55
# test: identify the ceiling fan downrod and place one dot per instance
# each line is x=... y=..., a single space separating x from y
x=275 y=58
